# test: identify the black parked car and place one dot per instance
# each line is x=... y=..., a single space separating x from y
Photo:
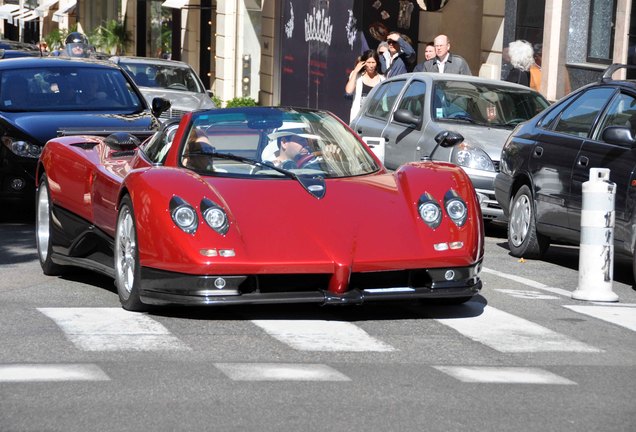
x=546 y=160
x=41 y=98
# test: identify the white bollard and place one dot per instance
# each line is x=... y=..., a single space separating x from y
x=596 y=255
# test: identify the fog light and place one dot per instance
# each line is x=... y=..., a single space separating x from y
x=449 y=275
x=208 y=252
x=226 y=252
x=440 y=246
x=219 y=283
x=456 y=245
x=17 y=184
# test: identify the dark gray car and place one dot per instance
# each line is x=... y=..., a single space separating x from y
x=405 y=113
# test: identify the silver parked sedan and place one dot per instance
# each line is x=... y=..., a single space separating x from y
x=169 y=79
x=402 y=116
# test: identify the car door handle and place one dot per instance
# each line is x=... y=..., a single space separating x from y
x=538 y=152
x=583 y=161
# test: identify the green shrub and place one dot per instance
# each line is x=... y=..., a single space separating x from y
x=240 y=102
x=217 y=101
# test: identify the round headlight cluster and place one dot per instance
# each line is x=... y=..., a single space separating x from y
x=186 y=218
x=455 y=207
x=430 y=211
x=215 y=217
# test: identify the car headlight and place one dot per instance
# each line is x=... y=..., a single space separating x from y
x=215 y=216
x=184 y=215
x=466 y=155
x=430 y=211
x=22 y=148
x=455 y=207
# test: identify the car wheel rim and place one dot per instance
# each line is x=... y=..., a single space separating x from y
x=43 y=221
x=520 y=220
x=125 y=251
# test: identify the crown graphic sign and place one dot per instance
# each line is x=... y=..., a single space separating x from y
x=318 y=27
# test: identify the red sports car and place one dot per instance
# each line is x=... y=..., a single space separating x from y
x=257 y=205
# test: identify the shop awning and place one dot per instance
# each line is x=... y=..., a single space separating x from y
x=64 y=10
x=43 y=9
x=175 y=4
x=7 y=10
x=25 y=15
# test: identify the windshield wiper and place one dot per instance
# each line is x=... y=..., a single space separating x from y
x=465 y=118
x=315 y=185
x=231 y=156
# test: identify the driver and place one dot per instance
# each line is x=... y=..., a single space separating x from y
x=293 y=152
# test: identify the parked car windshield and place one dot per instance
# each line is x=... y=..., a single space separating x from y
x=67 y=89
x=273 y=142
x=484 y=104
x=174 y=77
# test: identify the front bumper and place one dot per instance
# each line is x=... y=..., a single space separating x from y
x=503 y=188
x=483 y=182
x=162 y=288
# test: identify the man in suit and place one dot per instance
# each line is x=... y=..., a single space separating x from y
x=444 y=61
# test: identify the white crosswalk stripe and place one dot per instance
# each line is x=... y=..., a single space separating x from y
x=51 y=372
x=503 y=375
x=505 y=332
x=113 y=329
x=280 y=372
x=319 y=335
x=624 y=316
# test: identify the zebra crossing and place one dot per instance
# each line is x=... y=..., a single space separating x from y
x=111 y=329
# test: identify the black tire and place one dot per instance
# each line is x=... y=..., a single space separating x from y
x=126 y=257
x=43 y=230
x=523 y=239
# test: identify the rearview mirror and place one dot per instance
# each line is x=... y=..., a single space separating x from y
x=159 y=106
x=619 y=135
x=406 y=116
x=448 y=138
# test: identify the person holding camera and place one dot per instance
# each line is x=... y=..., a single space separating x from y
x=362 y=79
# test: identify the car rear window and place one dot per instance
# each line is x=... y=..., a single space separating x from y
x=67 y=89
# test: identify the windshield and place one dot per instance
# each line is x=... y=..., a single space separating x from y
x=174 y=77
x=67 y=89
x=273 y=142
x=484 y=104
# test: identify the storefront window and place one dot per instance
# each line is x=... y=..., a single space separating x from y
x=600 y=43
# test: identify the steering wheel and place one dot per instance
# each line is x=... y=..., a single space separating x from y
x=515 y=121
x=307 y=158
x=177 y=86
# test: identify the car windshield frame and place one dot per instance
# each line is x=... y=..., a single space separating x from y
x=484 y=104
x=83 y=88
x=245 y=142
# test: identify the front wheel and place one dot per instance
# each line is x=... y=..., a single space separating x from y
x=127 y=269
x=523 y=239
x=43 y=229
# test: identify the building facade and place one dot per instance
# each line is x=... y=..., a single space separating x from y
x=241 y=48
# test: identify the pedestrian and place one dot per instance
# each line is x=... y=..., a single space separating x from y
x=402 y=55
x=429 y=53
x=362 y=79
x=535 y=69
x=521 y=59
x=444 y=61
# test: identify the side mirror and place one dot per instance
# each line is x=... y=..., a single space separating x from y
x=159 y=106
x=406 y=116
x=619 y=135
x=448 y=138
